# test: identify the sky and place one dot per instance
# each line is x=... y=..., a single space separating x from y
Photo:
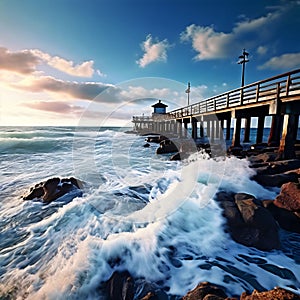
x=96 y=62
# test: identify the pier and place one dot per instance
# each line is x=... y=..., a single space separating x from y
x=277 y=97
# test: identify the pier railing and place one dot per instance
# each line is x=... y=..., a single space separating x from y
x=281 y=87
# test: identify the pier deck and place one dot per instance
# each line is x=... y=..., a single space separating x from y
x=278 y=96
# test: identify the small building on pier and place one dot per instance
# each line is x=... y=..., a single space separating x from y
x=159 y=108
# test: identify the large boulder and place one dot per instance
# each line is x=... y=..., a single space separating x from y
x=54 y=188
x=286 y=219
x=248 y=222
x=289 y=197
x=166 y=146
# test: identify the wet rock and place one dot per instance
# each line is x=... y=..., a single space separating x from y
x=166 y=146
x=276 y=180
x=120 y=286
x=147 y=145
x=276 y=293
x=248 y=222
x=276 y=167
x=53 y=189
x=156 y=139
x=260 y=222
x=289 y=197
x=205 y=290
x=286 y=219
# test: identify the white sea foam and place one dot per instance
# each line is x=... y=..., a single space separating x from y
x=164 y=228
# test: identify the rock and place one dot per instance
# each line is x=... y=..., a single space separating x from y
x=248 y=222
x=36 y=192
x=166 y=146
x=203 y=290
x=277 y=167
x=289 y=197
x=259 y=221
x=176 y=156
x=147 y=145
x=236 y=151
x=53 y=189
x=156 y=139
x=286 y=219
x=50 y=189
x=120 y=286
x=277 y=179
x=275 y=294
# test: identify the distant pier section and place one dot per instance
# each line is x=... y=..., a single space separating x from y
x=278 y=97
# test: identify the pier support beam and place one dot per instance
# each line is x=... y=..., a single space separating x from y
x=228 y=124
x=185 y=124
x=208 y=128
x=212 y=131
x=286 y=147
x=247 y=129
x=236 y=139
x=201 y=131
x=222 y=129
x=260 y=129
x=217 y=129
x=274 y=136
x=194 y=128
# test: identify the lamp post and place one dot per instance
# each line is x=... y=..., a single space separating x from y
x=243 y=59
x=188 y=90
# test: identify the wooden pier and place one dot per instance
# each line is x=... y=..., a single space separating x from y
x=278 y=97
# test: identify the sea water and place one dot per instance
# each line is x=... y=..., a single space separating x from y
x=139 y=212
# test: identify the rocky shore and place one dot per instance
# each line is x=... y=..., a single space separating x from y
x=249 y=221
x=122 y=286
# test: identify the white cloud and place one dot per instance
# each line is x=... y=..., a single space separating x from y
x=84 y=69
x=262 y=50
x=285 y=61
x=140 y=92
x=27 y=61
x=23 y=62
x=154 y=51
x=210 y=44
x=72 y=89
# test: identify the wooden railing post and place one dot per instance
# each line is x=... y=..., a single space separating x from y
x=242 y=96
x=227 y=100
x=288 y=82
x=278 y=91
x=257 y=92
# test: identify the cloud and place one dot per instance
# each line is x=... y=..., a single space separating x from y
x=140 y=92
x=73 y=89
x=27 y=61
x=55 y=106
x=210 y=44
x=154 y=51
x=23 y=62
x=284 y=61
x=262 y=50
x=84 y=69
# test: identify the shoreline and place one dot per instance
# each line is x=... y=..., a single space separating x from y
x=247 y=217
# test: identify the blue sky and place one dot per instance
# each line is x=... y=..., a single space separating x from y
x=65 y=61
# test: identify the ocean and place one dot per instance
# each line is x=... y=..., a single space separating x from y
x=139 y=212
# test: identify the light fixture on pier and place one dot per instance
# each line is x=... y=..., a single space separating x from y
x=188 y=90
x=243 y=59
